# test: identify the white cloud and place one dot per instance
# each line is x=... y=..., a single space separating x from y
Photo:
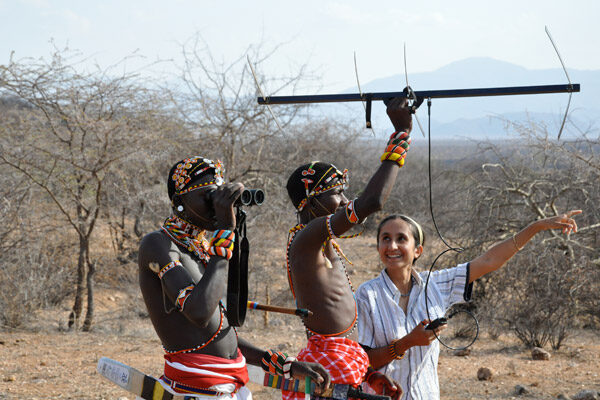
x=36 y=3
x=344 y=12
x=75 y=21
x=378 y=15
x=438 y=17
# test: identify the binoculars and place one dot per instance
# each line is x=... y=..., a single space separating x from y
x=250 y=197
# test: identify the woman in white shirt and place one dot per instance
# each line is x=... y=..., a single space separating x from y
x=392 y=314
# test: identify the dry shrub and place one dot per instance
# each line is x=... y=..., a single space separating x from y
x=32 y=279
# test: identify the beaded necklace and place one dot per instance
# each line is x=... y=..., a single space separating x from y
x=202 y=345
x=292 y=233
x=187 y=236
x=192 y=239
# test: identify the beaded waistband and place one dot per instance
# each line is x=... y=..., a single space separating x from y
x=190 y=389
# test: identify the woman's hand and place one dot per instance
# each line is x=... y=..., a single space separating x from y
x=317 y=373
x=563 y=221
x=420 y=336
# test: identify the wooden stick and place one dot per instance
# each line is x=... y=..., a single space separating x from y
x=302 y=312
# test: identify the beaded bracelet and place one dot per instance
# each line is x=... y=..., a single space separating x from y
x=287 y=367
x=392 y=351
x=396 y=148
x=221 y=244
x=224 y=243
x=277 y=363
x=168 y=267
x=223 y=238
x=393 y=157
x=400 y=149
x=183 y=296
x=221 y=252
x=398 y=137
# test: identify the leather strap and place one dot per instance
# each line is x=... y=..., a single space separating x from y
x=237 y=278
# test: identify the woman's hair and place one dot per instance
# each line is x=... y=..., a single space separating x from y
x=415 y=228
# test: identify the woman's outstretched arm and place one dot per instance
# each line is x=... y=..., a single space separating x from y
x=501 y=252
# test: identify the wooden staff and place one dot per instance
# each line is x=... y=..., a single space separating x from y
x=301 y=312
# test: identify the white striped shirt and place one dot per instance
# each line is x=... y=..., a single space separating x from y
x=382 y=320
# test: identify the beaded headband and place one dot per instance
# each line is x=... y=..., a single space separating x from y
x=322 y=184
x=189 y=169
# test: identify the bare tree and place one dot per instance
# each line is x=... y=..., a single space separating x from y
x=218 y=100
x=540 y=294
x=29 y=278
x=75 y=129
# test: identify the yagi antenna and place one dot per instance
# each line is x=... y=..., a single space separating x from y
x=562 y=125
x=365 y=106
x=407 y=85
x=425 y=94
x=263 y=93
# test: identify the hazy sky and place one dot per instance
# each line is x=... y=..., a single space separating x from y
x=322 y=33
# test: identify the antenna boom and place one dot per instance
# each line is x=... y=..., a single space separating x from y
x=432 y=94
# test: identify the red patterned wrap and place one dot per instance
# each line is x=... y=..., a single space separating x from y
x=204 y=371
x=345 y=360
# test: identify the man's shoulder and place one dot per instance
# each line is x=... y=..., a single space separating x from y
x=307 y=238
x=154 y=236
x=153 y=241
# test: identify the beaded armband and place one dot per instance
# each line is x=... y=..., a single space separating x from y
x=168 y=267
x=183 y=296
x=277 y=363
x=221 y=244
x=396 y=148
x=351 y=213
x=392 y=351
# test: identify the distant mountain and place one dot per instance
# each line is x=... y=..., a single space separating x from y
x=483 y=115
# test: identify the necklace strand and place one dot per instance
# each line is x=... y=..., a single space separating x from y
x=309 y=332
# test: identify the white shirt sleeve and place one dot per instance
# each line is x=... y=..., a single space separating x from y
x=453 y=284
x=366 y=328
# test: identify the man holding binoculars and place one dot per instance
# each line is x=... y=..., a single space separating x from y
x=183 y=276
x=250 y=197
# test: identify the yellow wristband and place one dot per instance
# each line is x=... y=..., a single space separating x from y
x=398 y=158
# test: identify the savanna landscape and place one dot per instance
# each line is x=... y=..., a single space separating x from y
x=85 y=155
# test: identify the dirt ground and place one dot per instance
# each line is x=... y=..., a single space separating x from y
x=55 y=364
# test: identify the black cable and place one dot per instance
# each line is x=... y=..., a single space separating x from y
x=458 y=249
x=449 y=248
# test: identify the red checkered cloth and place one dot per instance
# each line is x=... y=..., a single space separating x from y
x=345 y=360
x=203 y=371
